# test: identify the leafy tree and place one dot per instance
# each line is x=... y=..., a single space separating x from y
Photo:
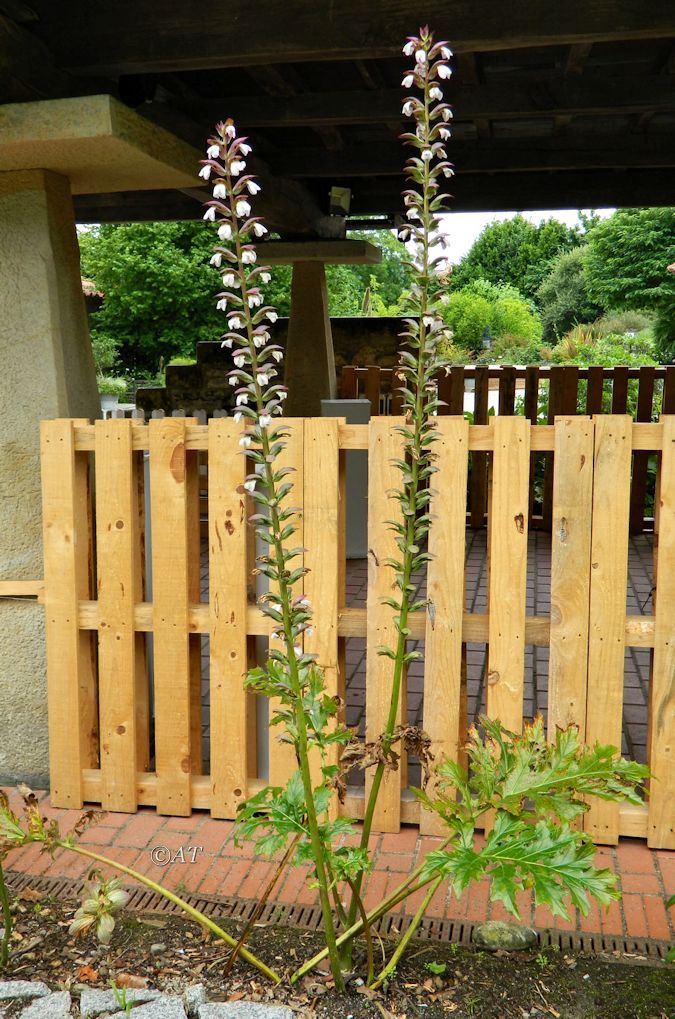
x=563 y=296
x=482 y=305
x=626 y=267
x=515 y=251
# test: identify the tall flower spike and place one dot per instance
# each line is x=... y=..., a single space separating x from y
x=290 y=675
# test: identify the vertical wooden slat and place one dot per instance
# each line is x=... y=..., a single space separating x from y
x=607 y=622
x=619 y=390
x=668 y=401
x=508 y=570
x=569 y=390
x=348 y=383
x=170 y=565
x=396 y=393
x=142 y=678
x=116 y=542
x=373 y=389
x=661 y=824
x=444 y=383
x=479 y=460
x=445 y=591
x=456 y=390
x=71 y=676
x=322 y=558
x=556 y=388
x=507 y=389
x=570 y=567
x=227 y=618
x=594 y=390
x=638 y=493
x=281 y=755
x=384 y=444
x=531 y=410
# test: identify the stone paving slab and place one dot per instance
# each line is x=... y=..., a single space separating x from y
x=94 y=1002
x=51 y=1006
x=244 y=1010
x=13 y=989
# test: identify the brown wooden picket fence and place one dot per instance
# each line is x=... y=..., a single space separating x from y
x=120 y=740
x=531 y=390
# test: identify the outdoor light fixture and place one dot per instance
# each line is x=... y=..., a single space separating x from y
x=340 y=201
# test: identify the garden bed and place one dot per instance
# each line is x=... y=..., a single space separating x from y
x=166 y=952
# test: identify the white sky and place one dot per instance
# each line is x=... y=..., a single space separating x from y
x=462 y=228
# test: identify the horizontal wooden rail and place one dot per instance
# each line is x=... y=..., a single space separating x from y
x=644 y=436
x=22 y=589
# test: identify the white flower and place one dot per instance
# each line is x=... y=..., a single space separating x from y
x=248 y=256
x=250 y=485
x=242 y=208
x=448 y=171
x=264 y=420
x=205 y=172
x=227 y=343
x=220 y=191
x=235 y=322
x=253 y=188
x=427 y=155
x=222 y=304
x=233 y=379
x=435 y=92
x=210 y=213
x=265 y=277
x=444 y=71
x=230 y=131
x=272 y=316
x=216 y=259
x=260 y=341
x=428 y=320
x=408 y=108
x=225 y=232
x=297 y=649
x=277 y=355
x=409 y=48
x=254 y=300
x=259 y=230
x=237 y=416
x=444 y=133
x=228 y=279
x=408 y=81
x=213 y=151
x=282 y=394
x=242 y=399
x=245 y=441
x=412 y=213
x=240 y=360
x=447 y=114
x=304 y=601
x=236 y=167
x=244 y=149
x=262 y=379
x=446 y=52
x=309 y=631
x=420 y=57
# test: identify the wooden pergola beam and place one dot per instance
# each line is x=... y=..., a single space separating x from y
x=493 y=156
x=141 y=36
x=588 y=96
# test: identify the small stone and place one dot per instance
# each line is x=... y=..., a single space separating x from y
x=164 y=1007
x=49 y=1006
x=158 y=948
x=243 y=1010
x=22 y=989
x=193 y=997
x=495 y=935
x=93 y=1002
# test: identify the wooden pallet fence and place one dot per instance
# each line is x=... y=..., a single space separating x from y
x=100 y=686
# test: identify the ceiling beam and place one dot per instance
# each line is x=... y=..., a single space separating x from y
x=586 y=96
x=139 y=36
x=472 y=193
x=494 y=155
x=529 y=191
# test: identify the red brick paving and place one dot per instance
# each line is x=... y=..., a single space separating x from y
x=222 y=869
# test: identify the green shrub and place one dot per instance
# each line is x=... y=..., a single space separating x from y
x=483 y=305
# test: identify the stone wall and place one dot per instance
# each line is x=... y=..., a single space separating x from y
x=204 y=385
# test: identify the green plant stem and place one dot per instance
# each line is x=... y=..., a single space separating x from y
x=285 y=595
x=390 y=968
x=401 y=892
x=205 y=921
x=367 y=931
x=7 y=920
x=415 y=451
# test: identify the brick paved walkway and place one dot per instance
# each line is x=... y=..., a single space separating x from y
x=221 y=869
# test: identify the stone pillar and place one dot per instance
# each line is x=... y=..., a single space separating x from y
x=310 y=361
x=47 y=371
